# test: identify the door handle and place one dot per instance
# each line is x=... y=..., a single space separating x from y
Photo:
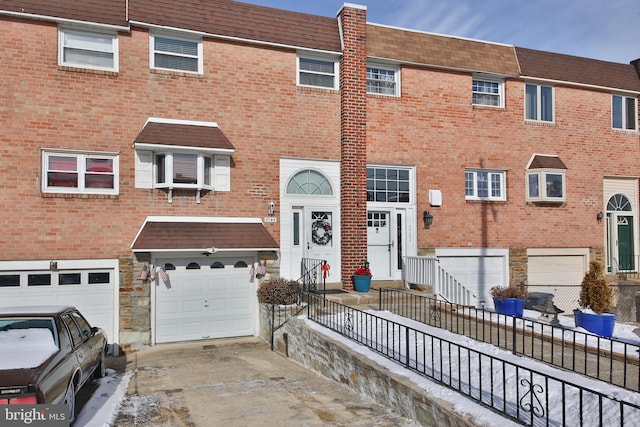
x=308 y=246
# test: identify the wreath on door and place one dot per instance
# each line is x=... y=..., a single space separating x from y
x=321 y=232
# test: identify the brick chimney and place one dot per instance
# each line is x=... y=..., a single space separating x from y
x=353 y=139
x=636 y=65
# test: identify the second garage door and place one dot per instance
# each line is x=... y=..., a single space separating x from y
x=204 y=299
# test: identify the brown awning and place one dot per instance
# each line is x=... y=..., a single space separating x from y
x=203 y=234
x=546 y=162
x=178 y=133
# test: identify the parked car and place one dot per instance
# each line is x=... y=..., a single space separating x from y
x=47 y=353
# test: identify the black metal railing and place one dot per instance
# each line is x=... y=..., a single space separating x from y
x=627 y=266
x=313 y=279
x=607 y=359
x=312 y=275
x=523 y=394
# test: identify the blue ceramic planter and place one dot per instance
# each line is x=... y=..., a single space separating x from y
x=599 y=324
x=509 y=306
x=361 y=283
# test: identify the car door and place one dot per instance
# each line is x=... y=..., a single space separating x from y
x=83 y=356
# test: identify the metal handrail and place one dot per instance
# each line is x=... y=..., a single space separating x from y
x=520 y=393
x=607 y=359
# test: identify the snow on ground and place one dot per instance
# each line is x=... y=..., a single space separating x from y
x=103 y=407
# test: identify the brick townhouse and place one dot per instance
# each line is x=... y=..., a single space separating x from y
x=157 y=154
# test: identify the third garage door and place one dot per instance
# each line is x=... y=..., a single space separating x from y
x=204 y=299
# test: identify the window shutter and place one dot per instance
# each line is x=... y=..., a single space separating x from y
x=222 y=171
x=144 y=169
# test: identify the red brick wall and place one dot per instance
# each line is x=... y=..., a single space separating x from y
x=250 y=92
x=353 y=167
x=434 y=126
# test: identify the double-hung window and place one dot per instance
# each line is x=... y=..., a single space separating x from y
x=485 y=184
x=382 y=80
x=79 y=172
x=317 y=72
x=624 y=112
x=487 y=92
x=176 y=54
x=539 y=102
x=85 y=49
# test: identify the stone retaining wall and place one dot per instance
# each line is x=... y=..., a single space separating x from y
x=334 y=360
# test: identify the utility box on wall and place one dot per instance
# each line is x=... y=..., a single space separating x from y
x=435 y=197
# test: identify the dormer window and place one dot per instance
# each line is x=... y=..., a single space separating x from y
x=546 y=181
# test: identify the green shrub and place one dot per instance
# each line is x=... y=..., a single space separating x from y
x=279 y=291
x=596 y=293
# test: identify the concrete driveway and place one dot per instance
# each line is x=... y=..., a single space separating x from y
x=237 y=382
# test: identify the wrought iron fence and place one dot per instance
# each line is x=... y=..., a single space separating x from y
x=523 y=394
x=611 y=360
x=313 y=280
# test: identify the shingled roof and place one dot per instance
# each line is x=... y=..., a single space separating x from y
x=567 y=68
x=183 y=134
x=440 y=51
x=108 y=12
x=240 y=20
x=232 y=234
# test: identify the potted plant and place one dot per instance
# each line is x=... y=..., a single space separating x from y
x=362 y=278
x=596 y=300
x=509 y=300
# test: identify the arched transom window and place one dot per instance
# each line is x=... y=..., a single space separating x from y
x=309 y=182
x=619 y=202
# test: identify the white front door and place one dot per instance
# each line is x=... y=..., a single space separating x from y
x=381 y=244
x=312 y=236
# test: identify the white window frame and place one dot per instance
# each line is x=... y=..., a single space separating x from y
x=62 y=45
x=491 y=175
x=199 y=56
x=388 y=68
x=538 y=117
x=542 y=189
x=168 y=172
x=335 y=74
x=624 y=112
x=493 y=80
x=80 y=157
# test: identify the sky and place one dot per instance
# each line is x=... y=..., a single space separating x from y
x=110 y=396
x=598 y=29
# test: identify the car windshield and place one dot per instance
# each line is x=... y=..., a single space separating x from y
x=26 y=342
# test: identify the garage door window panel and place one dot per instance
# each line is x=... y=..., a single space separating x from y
x=70 y=279
x=9 y=280
x=97 y=278
x=39 y=280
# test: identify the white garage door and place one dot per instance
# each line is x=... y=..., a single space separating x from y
x=87 y=285
x=559 y=274
x=201 y=303
x=478 y=270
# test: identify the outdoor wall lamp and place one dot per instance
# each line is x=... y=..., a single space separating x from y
x=427 y=218
x=599 y=217
x=272 y=208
